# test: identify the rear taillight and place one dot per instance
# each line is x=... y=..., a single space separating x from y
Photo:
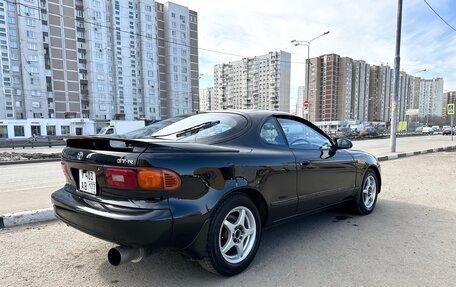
x=121 y=178
x=144 y=178
x=158 y=179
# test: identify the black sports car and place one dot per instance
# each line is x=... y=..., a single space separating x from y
x=207 y=184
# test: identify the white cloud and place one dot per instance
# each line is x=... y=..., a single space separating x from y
x=359 y=29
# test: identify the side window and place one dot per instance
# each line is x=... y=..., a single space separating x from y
x=302 y=136
x=270 y=133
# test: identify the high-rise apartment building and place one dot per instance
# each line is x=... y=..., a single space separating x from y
x=375 y=93
x=344 y=107
x=300 y=102
x=261 y=82
x=313 y=88
x=343 y=89
x=98 y=59
x=360 y=90
x=431 y=97
x=206 y=99
x=339 y=89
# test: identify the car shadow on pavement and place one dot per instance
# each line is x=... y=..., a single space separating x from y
x=398 y=243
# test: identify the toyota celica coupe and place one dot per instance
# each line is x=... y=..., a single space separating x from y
x=208 y=184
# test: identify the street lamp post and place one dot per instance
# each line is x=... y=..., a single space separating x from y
x=307 y=43
x=397 y=60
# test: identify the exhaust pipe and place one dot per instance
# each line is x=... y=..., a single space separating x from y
x=123 y=254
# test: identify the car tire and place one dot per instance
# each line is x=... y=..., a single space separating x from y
x=234 y=236
x=366 y=198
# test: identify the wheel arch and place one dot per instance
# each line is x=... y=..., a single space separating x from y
x=197 y=249
x=375 y=169
x=257 y=198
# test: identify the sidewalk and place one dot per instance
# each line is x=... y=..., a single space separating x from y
x=41 y=149
x=28 y=201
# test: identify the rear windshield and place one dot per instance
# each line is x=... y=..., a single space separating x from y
x=149 y=130
x=203 y=128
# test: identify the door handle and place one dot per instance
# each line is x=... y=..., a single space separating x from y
x=305 y=163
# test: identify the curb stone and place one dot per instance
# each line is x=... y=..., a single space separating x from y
x=29 y=161
x=26 y=217
x=407 y=154
x=47 y=214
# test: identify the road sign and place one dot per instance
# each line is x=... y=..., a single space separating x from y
x=450 y=109
x=306 y=105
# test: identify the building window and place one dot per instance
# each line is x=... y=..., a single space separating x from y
x=4 y=132
x=148 y=8
x=35 y=130
x=32 y=45
x=19 y=131
x=50 y=130
x=33 y=58
x=65 y=130
x=11 y=20
x=31 y=34
x=34 y=81
x=30 y=22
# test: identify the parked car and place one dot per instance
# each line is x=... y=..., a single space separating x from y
x=208 y=185
x=427 y=131
x=448 y=131
x=419 y=129
x=369 y=131
x=345 y=132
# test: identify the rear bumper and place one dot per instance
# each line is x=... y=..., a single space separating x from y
x=123 y=226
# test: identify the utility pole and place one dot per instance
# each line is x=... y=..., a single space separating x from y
x=397 y=61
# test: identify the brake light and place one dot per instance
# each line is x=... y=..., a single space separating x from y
x=158 y=179
x=121 y=178
x=143 y=178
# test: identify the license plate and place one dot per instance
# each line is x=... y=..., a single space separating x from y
x=87 y=181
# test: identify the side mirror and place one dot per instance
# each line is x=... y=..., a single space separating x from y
x=343 y=143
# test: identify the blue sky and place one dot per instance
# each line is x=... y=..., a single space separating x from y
x=360 y=29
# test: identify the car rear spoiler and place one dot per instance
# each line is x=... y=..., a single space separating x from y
x=142 y=145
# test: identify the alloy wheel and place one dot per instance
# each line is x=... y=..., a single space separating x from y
x=237 y=234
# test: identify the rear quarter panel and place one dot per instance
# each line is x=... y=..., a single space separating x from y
x=209 y=177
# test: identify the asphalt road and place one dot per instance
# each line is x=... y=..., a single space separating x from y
x=28 y=186
x=381 y=147
x=409 y=240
